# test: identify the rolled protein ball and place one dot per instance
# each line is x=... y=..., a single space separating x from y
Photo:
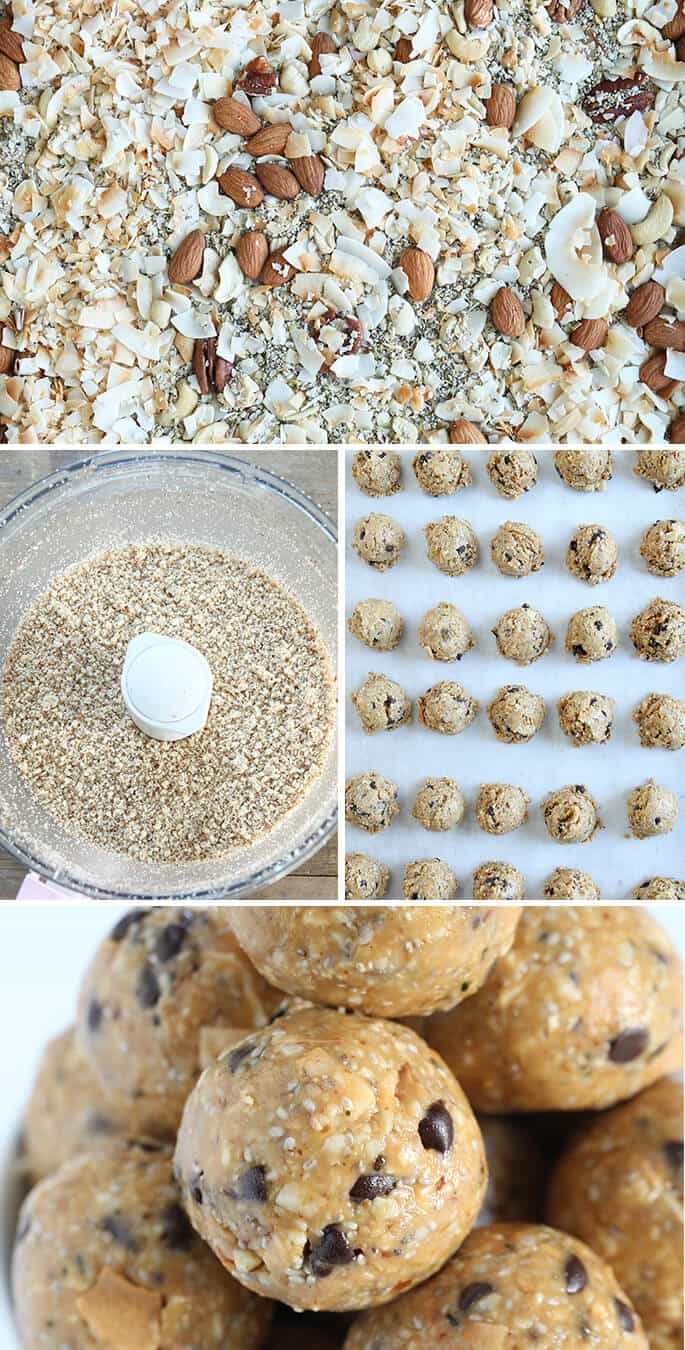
x=105 y=1256
x=516 y=714
x=660 y=888
x=370 y=801
x=429 y=879
x=441 y=471
x=501 y=807
x=567 y=883
x=365 y=878
x=498 y=881
x=516 y=1171
x=571 y=815
x=616 y=1025
x=452 y=545
x=587 y=718
x=658 y=631
x=663 y=547
x=586 y=470
x=445 y=634
x=447 y=708
x=330 y=1159
x=377 y=623
x=661 y=468
x=378 y=473
x=439 y=804
x=382 y=704
x=378 y=540
x=512 y=472
x=592 y=554
x=591 y=635
x=619 y=1187
x=517 y=550
x=652 y=810
x=160 y=976
x=523 y=635
x=661 y=722
x=510 y=1285
x=388 y=961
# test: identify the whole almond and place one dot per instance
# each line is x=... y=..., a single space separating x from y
x=403 y=52
x=276 y=271
x=645 y=303
x=479 y=13
x=676 y=431
x=323 y=45
x=617 y=241
x=309 y=171
x=462 y=432
x=590 y=334
x=7 y=357
x=500 y=107
x=652 y=374
x=419 y=271
x=560 y=299
x=241 y=187
x=669 y=333
x=252 y=251
x=11 y=45
x=269 y=140
x=506 y=312
x=232 y=115
x=277 y=181
x=10 y=78
x=186 y=263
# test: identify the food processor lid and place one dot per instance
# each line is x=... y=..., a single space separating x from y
x=166 y=686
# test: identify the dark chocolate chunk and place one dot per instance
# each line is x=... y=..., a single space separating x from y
x=332 y=1249
x=626 y=1320
x=436 y=1130
x=119 y=1230
x=169 y=941
x=252 y=1185
x=94 y=1015
x=240 y=1053
x=177 y=1232
x=673 y=1150
x=473 y=1293
x=575 y=1275
x=369 y=1186
x=148 y=991
x=628 y=1045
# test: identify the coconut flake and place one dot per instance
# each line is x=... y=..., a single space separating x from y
x=573 y=249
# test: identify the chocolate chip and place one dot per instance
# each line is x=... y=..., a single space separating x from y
x=628 y=1045
x=169 y=941
x=369 y=1186
x=473 y=1293
x=332 y=1249
x=94 y=1014
x=673 y=1151
x=252 y=1185
x=195 y=1185
x=130 y=920
x=578 y=649
x=177 y=1232
x=436 y=1130
x=119 y=1230
x=576 y=1275
x=240 y=1053
x=626 y=1320
x=148 y=991
x=379 y=1162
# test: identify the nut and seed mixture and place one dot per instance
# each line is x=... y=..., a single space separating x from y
x=269 y=725
x=342 y=222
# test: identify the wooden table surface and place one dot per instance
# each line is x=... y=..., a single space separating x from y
x=315 y=471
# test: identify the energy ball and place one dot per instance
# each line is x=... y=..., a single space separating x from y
x=652 y=809
x=571 y=815
x=382 y=704
x=452 y=545
x=510 y=1285
x=160 y=976
x=377 y=623
x=523 y=635
x=567 y=883
x=658 y=631
x=365 y=878
x=663 y=547
x=586 y=718
x=619 y=1187
x=501 y=807
x=439 y=804
x=370 y=801
x=378 y=540
x=105 y=1256
x=330 y=1160
x=390 y=961
x=441 y=471
x=377 y=472
x=512 y=472
x=445 y=634
x=592 y=554
x=429 y=879
x=662 y=468
x=661 y=722
x=447 y=708
x=498 y=881
x=516 y=1172
x=584 y=470
x=660 y=888
x=591 y=634
x=516 y=714
x=517 y=550
x=583 y=1011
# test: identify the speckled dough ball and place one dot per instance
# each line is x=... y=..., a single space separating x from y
x=498 y=881
x=571 y=815
x=592 y=554
x=516 y=1172
x=382 y=704
x=510 y=1285
x=661 y=722
x=330 y=1160
x=377 y=472
x=105 y=1257
x=512 y=472
x=376 y=623
x=429 y=879
x=591 y=635
x=378 y=540
x=658 y=631
x=370 y=801
x=523 y=635
x=587 y=718
x=663 y=547
x=516 y=714
x=447 y=708
x=365 y=878
x=586 y=470
x=160 y=976
x=662 y=468
x=619 y=1187
x=439 y=804
x=441 y=471
x=660 y=888
x=517 y=550
x=452 y=545
x=501 y=807
x=394 y=961
x=652 y=809
x=445 y=634
x=567 y=883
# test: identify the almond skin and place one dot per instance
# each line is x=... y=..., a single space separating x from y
x=479 y=13
x=323 y=45
x=617 y=241
x=645 y=303
x=666 y=333
x=676 y=431
x=309 y=172
x=186 y=263
x=11 y=45
x=7 y=356
x=277 y=181
x=500 y=108
x=232 y=115
x=680 y=49
x=675 y=28
x=462 y=432
x=276 y=271
x=252 y=251
x=269 y=140
x=652 y=374
x=419 y=271
x=560 y=299
x=241 y=187
x=590 y=334
x=506 y=312
x=10 y=79
x=402 y=51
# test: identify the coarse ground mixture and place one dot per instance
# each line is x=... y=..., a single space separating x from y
x=269 y=725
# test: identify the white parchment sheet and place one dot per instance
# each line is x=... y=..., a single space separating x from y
x=550 y=760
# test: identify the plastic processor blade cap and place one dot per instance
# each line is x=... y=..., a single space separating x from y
x=166 y=685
